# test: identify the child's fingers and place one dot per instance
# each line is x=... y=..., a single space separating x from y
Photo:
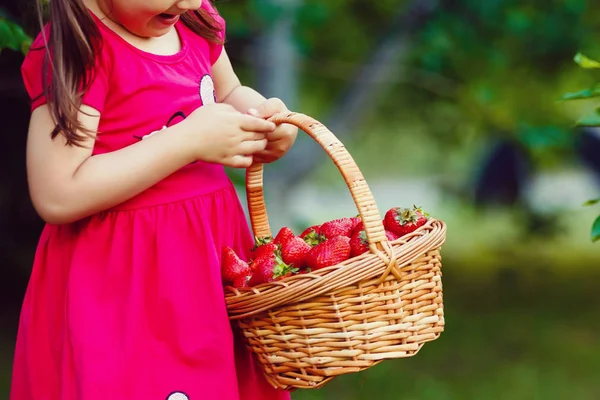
x=252 y=146
x=269 y=108
x=253 y=124
x=241 y=161
x=254 y=136
x=254 y=112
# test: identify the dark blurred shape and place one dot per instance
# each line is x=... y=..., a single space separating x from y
x=588 y=149
x=12 y=7
x=503 y=175
x=20 y=226
x=502 y=180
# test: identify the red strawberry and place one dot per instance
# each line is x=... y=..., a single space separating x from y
x=284 y=234
x=337 y=227
x=331 y=252
x=294 y=251
x=402 y=221
x=263 y=250
x=269 y=269
x=241 y=282
x=355 y=222
x=359 y=227
x=391 y=236
x=359 y=243
x=232 y=267
x=311 y=229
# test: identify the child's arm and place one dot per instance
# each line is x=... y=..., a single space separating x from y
x=67 y=183
x=247 y=100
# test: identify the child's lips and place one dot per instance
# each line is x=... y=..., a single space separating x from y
x=168 y=18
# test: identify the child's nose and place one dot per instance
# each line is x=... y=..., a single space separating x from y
x=189 y=4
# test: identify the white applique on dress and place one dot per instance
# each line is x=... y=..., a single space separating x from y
x=178 y=396
x=207 y=95
x=207 y=90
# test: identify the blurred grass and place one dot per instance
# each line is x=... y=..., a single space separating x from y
x=518 y=328
x=541 y=347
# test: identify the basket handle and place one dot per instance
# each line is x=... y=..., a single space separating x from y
x=361 y=194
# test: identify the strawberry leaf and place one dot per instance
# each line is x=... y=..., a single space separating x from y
x=363 y=237
x=596 y=230
x=420 y=209
x=261 y=241
x=313 y=238
x=586 y=62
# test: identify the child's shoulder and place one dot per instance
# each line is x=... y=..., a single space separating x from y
x=39 y=42
x=32 y=68
x=34 y=59
x=36 y=68
x=38 y=49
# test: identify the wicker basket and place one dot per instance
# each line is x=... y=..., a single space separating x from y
x=385 y=304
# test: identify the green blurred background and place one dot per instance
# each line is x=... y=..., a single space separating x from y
x=451 y=105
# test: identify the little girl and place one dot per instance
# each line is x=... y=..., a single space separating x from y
x=135 y=112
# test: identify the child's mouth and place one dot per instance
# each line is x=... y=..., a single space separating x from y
x=168 y=18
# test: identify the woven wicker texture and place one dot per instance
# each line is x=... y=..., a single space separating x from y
x=385 y=304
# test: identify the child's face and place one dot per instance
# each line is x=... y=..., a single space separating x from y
x=147 y=18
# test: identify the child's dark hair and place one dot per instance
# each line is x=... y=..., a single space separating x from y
x=74 y=41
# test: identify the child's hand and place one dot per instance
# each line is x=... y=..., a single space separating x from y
x=280 y=140
x=218 y=133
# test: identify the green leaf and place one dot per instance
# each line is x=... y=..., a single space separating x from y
x=582 y=94
x=5 y=34
x=586 y=62
x=13 y=37
x=592 y=119
x=591 y=202
x=25 y=46
x=596 y=230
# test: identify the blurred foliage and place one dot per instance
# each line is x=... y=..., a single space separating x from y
x=475 y=68
x=12 y=35
x=596 y=224
x=591 y=120
x=504 y=56
x=500 y=349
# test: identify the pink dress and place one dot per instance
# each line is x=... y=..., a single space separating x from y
x=128 y=303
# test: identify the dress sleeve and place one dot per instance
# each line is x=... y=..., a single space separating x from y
x=215 y=49
x=33 y=69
